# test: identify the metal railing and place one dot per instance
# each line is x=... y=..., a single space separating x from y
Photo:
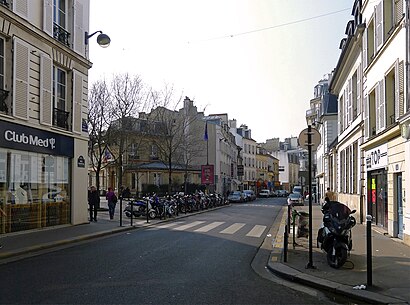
x=4 y=107
x=61 y=34
x=61 y=118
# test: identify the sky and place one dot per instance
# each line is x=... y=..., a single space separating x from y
x=256 y=60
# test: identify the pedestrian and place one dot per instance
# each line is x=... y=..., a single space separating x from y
x=330 y=195
x=112 y=201
x=4 y=214
x=93 y=203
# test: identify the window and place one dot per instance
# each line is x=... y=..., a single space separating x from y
x=60 y=21
x=60 y=117
x=372 y=113
x=4 y=107
x=390 y=97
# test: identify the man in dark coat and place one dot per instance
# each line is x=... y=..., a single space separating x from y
x=93 y=202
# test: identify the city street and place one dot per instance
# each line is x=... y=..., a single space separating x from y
x=202 y=259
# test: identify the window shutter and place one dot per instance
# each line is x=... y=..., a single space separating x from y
x=350 y=101
x=77 y=100
x=46 y=93
x=359 y=89
x=399 y=88
x=382 y=108
x=398 y=9
x=340 y=115
x=379 y=25
x=20 y=7
x=366 y=116
x=364 y=53
x=21 y=68
x=79 y=31
x=48 y=17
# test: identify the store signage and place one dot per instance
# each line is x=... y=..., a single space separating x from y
x=21 y=137
x=81 y=162
x=377 y=157
x=207 y=176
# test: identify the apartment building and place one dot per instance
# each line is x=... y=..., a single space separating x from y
x=43 y=113
x=372 y=145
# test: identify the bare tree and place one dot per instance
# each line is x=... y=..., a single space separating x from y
x=98 y=102
x=177 y=134
x=129 y=97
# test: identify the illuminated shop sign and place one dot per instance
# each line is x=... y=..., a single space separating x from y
x=20 y=137
x=376 y=157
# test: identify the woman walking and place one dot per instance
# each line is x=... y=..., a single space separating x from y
x=112 y=201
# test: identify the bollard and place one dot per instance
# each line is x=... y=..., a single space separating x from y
x=289 y=216
x=369 y=249
x=147 y=211
x=285 y=244
x=132 y=211
x=120 y=211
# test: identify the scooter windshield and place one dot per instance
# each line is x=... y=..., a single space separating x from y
x=339 y=210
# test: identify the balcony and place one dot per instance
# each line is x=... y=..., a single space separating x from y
x=4 y=107
x=61 y=34
x=61 y=118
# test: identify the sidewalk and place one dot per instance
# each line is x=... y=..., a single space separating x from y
x=390 y=264
x=22 y=243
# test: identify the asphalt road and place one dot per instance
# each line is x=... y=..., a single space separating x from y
x=209 y=258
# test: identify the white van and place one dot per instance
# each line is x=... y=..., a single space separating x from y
x=297 y=189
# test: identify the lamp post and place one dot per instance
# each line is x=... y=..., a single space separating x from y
x=102 y=39
x=310 y=138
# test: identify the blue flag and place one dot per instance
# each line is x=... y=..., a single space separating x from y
x=206 y=132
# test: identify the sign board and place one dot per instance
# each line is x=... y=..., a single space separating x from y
x=315 y=138
x=377 y=157
x=207 y=174
x=240 y=170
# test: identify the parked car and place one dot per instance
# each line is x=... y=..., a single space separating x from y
x=295 y=199
x=249 y=195
x=282 y=193
x=264 y=193
x=236 y=196
x=297 y=189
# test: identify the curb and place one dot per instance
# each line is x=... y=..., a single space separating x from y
x=275 y=265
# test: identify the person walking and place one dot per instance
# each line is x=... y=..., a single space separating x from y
x=93 y=203
x=112 y=201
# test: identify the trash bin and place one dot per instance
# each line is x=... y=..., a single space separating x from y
x=303 y=224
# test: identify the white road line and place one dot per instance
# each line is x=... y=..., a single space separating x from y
x=187 y=226
x=210 y=226
x=256 y=231
x=233 y=228
x=168 y=225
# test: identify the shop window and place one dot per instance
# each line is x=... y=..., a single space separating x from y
x=34 y=190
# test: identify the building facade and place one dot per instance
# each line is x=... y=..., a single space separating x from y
x=43 y=113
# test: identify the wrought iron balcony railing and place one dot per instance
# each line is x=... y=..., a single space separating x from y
x=61 y=118
x=4 y=107
x=61 y=34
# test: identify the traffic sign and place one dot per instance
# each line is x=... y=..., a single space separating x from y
x=315 y=138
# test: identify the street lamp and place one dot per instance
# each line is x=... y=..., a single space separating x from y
x=102 y=39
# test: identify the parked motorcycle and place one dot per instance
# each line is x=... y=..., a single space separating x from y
x=335 y=235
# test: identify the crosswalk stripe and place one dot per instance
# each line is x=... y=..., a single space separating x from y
x=256 y=231
x=210 y=226
x=233 y=228
x=168 y=225
x=187 y=226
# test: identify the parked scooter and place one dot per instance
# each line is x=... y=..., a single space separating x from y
x=139 y=208
x=335 y=236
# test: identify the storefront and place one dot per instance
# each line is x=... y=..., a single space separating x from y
x=377 y=199
x=35 y=178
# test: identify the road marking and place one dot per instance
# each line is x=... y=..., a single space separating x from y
x=187 y=226
x=168 y=225
x=210 y=226
x=233 y=228
x=256 y=231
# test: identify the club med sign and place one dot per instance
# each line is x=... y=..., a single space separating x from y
x=31 y=139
